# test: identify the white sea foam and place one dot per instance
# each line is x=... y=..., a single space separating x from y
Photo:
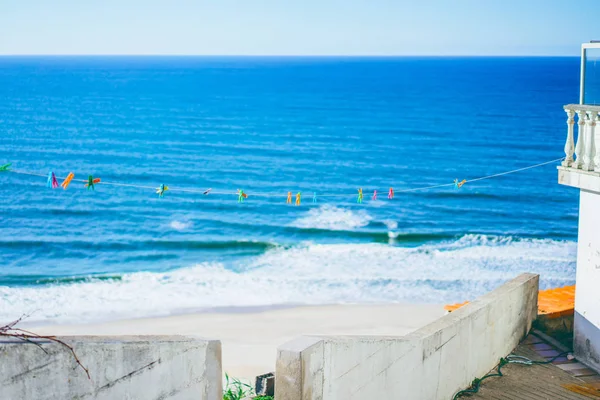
x=181 y=225
x=391 y=224
x=308 y=274
x=333 y=218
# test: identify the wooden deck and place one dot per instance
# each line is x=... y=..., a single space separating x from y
x=562 y=379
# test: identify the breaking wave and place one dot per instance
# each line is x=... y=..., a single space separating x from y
x=448 y=271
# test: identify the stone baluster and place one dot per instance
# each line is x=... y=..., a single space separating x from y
x=569 y=145
x=596 y=150
x=590 y=146
x=580 y=147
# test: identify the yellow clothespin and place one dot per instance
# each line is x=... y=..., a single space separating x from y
x=458 y=185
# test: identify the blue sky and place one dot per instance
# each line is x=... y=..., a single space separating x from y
x=297 y=27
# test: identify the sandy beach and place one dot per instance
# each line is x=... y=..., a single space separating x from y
x=250 y=339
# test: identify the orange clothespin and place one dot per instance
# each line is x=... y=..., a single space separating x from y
x=67 y=181
x=289 y=198
x=298 y=198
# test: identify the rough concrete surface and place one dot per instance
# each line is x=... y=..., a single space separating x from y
x=431 y=363
x=121 y=367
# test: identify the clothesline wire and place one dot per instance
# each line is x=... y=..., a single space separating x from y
x=259 y=194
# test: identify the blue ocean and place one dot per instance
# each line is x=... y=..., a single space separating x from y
x=324 y=127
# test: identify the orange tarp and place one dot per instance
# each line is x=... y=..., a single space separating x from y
x=553 y=303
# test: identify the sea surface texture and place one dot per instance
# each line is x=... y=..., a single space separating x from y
x=269 y=126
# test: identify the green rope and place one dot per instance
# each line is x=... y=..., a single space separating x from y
x=511 y=359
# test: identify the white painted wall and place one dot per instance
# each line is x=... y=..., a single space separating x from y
x=586 y=327
x=431 y=363
x=121 y=367
x=587 y=294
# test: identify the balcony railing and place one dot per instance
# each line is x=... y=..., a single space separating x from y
x=583 y=155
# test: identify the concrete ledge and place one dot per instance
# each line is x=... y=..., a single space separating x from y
x=577 y=178
x=121 y=367
x=431 y=363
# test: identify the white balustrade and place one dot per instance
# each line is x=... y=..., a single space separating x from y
x=590 y=147
x=580 y=147
x=569 y=145
x=583 y=153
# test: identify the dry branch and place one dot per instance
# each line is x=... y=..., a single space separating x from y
x=10 y=330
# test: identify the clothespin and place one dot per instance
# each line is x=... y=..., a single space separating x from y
x=289 y=198
x=207 y=191
x=391 y=194
x=298 y=198
x=458 y=185
x=67 y=180
x=374 y=194
x=161 y=190
x=359 y=199
x=92 y=182
x=5 y=167
x=241 y=196
x=52 y=183
x=314 y=197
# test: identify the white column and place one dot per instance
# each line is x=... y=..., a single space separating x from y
x=569 y=144
x=596 y=150
x=590 y=147
x=580 y=147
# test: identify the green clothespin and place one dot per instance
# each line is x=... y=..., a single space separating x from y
x=5 y=167
x=241 y=195
x=360 y=196
x=90 y=184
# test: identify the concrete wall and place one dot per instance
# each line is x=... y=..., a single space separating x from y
x=431 y=363
x=121 y=367
x=587 y=295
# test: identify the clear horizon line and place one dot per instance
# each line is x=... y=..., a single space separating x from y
x=282 y=55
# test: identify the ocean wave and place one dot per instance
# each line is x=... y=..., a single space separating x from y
x=52 y=244
x=449 y=271
x=333 y=218
x=181 y=225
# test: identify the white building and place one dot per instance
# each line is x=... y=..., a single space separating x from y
x=581 y=169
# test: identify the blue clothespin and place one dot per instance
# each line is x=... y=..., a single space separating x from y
x=315 y=197
x=160 y=191
x=458 y=185
x=52 y=182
